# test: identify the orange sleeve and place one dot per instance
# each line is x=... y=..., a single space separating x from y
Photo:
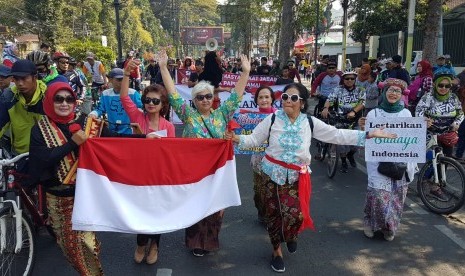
x=101 y=68
x=84 y=70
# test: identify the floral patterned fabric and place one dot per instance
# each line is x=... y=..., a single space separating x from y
x=283 y=215
x=198 y=127
x=383 y=209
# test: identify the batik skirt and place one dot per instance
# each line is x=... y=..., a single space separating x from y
x=205 y=233
x=283 y=215
x=80 y=248
x=383 y=209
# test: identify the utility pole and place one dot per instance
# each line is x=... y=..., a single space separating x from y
x=117 y=5
x=317 y=32
x=345 y=6
x=411 y=24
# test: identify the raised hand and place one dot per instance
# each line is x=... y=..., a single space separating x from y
x=130 y=66
x=162 y=58
x=245 y=64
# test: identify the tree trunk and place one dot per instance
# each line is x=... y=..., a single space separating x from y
x=276 y=43
x=286 y=41
x=430 y=40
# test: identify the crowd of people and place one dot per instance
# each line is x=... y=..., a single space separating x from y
x=40 y=96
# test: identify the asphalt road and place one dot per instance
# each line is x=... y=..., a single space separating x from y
x=426 y=244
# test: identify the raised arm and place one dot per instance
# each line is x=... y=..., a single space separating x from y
x=131 y=65
x=242 y=82
x=162 y=60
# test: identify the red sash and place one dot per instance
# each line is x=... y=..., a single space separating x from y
x=305 y=190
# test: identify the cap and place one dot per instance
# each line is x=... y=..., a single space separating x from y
x=441 y=57
x=331 y=62
x=90 y=56
x=397 y=59
x=388 y=60
x=5 y=71
x=22 y=68
x=116 y=73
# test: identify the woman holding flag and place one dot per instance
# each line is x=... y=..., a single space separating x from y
x=55 y=141
x=201 y=121
x=155 y=100
x=286 y=165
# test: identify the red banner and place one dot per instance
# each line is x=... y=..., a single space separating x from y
x=230 y=80
x=200 y=35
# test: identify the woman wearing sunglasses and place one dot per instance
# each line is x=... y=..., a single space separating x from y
x=347 y=100
x=201 y=121
x=443 y=111
x=155 y=101
x=54 y=148
x=286 y=165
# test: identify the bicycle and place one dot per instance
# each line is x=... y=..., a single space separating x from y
x=447 y=174
x=22 y=213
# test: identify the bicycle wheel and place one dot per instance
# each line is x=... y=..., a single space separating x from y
x=321 y=151
x=20 y=263
x=452 y=184
x=333 y=159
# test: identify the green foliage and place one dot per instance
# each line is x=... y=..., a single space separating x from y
x=376 y=17
x=79 y=48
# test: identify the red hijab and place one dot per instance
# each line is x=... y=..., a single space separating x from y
x=426 y=69
x=364 y=76
x=49 y=109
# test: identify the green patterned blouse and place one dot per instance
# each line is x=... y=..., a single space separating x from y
x=195 y=126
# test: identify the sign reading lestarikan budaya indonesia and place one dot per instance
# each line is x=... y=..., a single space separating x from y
x=409 y=146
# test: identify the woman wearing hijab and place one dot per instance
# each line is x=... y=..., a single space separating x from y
x=10 y=54
x=54 y=147
x=443 y=110
x=385 y=197
x=422 y=84
x=363 y=76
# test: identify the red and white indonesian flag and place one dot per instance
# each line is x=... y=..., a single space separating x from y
x=152 y=185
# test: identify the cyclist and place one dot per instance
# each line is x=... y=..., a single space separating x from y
x=62 y=61
x=327 y=82
x=110 y=104
x=348 y=100
x=444 y=115
x=21 y=105
x=45 y=72
x=96 y=69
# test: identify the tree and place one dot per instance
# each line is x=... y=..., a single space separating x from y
x=430 y=40
x=286 y=42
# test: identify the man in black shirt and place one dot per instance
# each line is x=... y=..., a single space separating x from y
x=194 y=77
x=264 y=68
x=284 y=79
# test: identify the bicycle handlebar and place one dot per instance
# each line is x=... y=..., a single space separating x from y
x=8 y=162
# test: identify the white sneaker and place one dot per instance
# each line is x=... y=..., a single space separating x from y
x=388 y=235
x=368 y=232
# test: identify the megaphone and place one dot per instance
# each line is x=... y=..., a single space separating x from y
x=211 y=44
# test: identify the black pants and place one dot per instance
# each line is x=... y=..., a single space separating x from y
x=143 y=239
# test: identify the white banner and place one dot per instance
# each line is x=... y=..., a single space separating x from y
x=247 y=100
x=409 y=146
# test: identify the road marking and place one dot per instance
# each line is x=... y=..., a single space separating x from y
x=164 y=272
x=451 y=235
x=415 y=207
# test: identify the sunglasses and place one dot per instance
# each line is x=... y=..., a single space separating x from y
x=155 y=101
x=201 y=97
x=294 y=97
x=63 y=62
x=60 y=99
x=349 y=79
x=441 y=85
x=332 y=67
